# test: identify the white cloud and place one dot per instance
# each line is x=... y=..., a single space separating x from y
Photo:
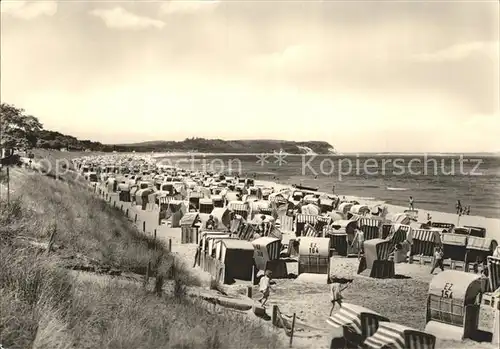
x=461 y=51
x=187 y=6
x=119 y=18
x=28 y=9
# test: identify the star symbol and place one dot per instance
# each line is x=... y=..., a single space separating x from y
x=262 y=159
x=280 y=157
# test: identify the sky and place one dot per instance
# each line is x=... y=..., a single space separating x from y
x=363 y=76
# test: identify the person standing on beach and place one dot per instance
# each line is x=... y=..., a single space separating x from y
x=263 y=226
x=265 y=287
x=459 y=207
x=438 y=259
x=359 y=239
x=411 y=204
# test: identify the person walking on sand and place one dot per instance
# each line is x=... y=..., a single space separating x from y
x=411 y=204
x=458 y=206
x=335 y=292
x=265 y=287
x=438 y=259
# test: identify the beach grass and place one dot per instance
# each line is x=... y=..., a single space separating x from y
x=46 y=305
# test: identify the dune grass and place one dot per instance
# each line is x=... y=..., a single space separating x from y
x=44 y=305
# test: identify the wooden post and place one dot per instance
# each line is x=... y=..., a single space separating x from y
x=154 y=238
x=292 y=330
x=144 y=226
x=249 y=291
x=8 y=186
x=126 y=213
x=159 y=285
x=274 y=315
x=51 y=240
x=146 y=277
x=135 y=219
x=169 y=245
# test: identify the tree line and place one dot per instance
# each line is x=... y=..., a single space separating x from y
x=21 y=131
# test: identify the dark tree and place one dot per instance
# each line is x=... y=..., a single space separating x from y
x=18 y=130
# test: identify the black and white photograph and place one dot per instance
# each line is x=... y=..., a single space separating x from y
x=250 y=174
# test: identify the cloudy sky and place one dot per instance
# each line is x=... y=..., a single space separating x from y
x=364 y=76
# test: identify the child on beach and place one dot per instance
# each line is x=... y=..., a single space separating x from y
x=265 y=287
x=210 y=225
x=411 y=203
x=359 y=239
x=335 y=292
x=438 y=259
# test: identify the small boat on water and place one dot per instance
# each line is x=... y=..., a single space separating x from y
x=303 y=187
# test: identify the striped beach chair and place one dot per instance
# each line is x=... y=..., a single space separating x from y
x=441 y=225
x=247 y=232
x=239 y=208
x=268 y=227
x=386 y=230
x=494 y=272
x=358 y=323
x=454 y=246
x=321 y=222
x=391 y=335
x=375 y=262
x=370 y=227
x=310 y=231
x=399 y=233
x=266 y=210
x=286 y=224
x=241 y=229
x=424 y=241
x=301 y=220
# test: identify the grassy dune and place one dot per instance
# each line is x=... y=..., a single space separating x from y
x=46 y=305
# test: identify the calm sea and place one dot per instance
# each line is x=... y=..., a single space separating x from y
x=434 y=182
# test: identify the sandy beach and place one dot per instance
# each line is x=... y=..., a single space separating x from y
x=307 y=295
